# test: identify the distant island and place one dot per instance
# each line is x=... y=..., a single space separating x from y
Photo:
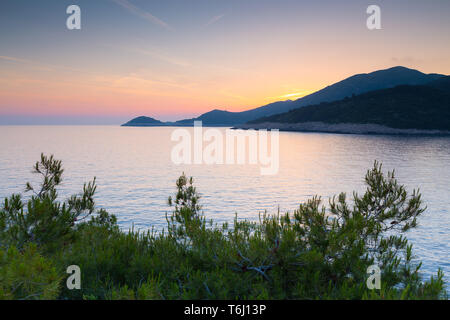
x=393 y=101
x=144 y=121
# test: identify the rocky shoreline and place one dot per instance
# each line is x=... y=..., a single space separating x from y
x=346 y=128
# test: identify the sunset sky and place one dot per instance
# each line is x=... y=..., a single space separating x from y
x=173 y=59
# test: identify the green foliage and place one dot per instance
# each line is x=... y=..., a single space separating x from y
x=317 y=252
x=27 y=275
x=43 y=220
x=186 y=217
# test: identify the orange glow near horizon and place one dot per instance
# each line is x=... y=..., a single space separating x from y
x=75 y=92
x=31 y=88
x=230 y=55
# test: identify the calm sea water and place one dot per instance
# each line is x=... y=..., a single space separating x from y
x=135 y=175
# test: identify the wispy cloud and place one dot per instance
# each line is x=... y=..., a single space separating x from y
x=43 y=66
x=294 y=95
x=163 y=57
x=15 y=59
x=154 y=52
x=142 y=13
x=214 y=20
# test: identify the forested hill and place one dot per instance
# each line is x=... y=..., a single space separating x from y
x=425 y=107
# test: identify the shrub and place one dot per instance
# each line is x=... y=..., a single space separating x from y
x=27 y=275
x=43 y=220
x=318 y=252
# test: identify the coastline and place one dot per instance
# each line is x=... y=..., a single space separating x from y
x=141 y=125
x=343 y=128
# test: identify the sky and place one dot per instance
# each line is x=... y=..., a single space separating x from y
x=175 y=59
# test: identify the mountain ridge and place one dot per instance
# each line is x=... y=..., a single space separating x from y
x=353 y=85
x=404 y=107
